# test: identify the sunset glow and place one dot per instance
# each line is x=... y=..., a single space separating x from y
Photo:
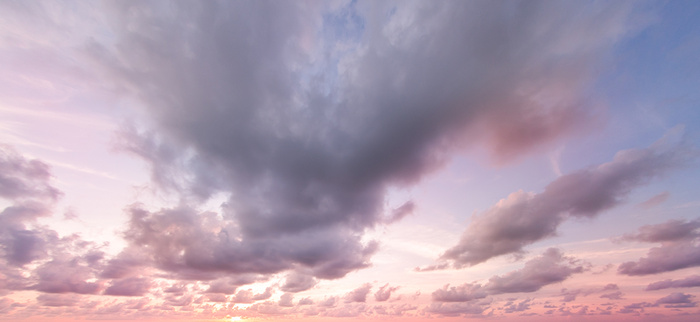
x=349 y=160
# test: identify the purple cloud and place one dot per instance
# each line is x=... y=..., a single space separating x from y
x=132 y=286
x=678 y=248
x=384 y=292
x=297 y=282
x=524 y=218
x=462 y=293
x=690 y=281
x=22 y=179
x=676 y=300
x=359 y=294
x=549 y=268
x=307 y=157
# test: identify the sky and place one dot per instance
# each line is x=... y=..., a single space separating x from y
x=349 y=160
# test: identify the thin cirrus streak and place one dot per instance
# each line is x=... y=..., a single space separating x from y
x=295 y=160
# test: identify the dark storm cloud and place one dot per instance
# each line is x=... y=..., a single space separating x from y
x=549 y=268
x=690 y=281
x=242 y=98
x=679 y=248
x=524 y=218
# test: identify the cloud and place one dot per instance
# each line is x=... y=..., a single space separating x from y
x=359 y=294
x=676 y=300
x=679 y=248
x=306 y=139
x=22 y=179
x=298 y=282
x=132 y=286
x=462 y=293
x=690 y=281
x=384 y=292
x=202 y=246
x=247 y=296
x=286 y=300
x=670 y=231
x=524 y=218
x=518 y=307
x=58 y=299
x=549 y=268
x=655 y=200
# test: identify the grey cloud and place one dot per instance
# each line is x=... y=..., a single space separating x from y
x=286 y=300
x=690 y=281
x=305 y=301
x=612 y=296
x=247 y=296
x=669 y=231
x=61 y=276
x=663 y=259
x=401 y=212
x=236 y=105
x=203 y=246
x=384 y=292
x=676 y=300
x=678 y=250
x=462 y=293
x=58 y=299
x=329 y=301
x=228 y=285
x=524 y=218
x=21 y=178
x=518 y=307
x=549 y=268
x=297 y=282
x=132 y=286
x=359 y=294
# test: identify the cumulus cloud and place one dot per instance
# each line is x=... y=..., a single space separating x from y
x=132 y=286
x=286 y=300
x=297 y=282
x=690 y=281
x=359 y=294
x=22 y=178
x=549 y=268
x=679 y=248
x=384 y=292
x=308 y=155
x=524 y=218
x=462 y=293
x=677 y=300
